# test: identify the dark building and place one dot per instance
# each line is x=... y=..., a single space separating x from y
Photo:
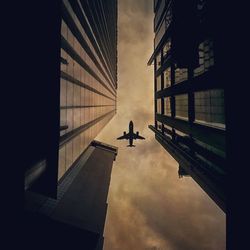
x=75 y=96
x=75 y=220
x=189 y=92
x=73 y=69
x=182 y=173
x=88 y=75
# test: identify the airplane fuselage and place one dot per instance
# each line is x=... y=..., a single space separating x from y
x=131 y=131
x=130 y=135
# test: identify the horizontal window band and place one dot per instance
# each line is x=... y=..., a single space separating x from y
x=64 y=61
x=162 y=16
x=77 y=9
x=208 y=154
x=160 y=45
x=219 y=169
x=77 y=33
x=209 y=135
x=75 y=132
x=206 y=81
x=93 y=19
x=85 y=106
x=73 y=27
x=68 y=77
x=212 y=183
x=166 y=64
x=68 y=48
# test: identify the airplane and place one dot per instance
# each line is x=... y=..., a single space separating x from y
x=130 y=135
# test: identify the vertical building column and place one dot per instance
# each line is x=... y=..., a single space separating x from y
x=191 y=111
x=162 y=113
x=155 y=89
x=172 y=98
x=162 y=87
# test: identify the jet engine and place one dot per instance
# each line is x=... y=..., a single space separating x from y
x=137 y=133
x=124 y=133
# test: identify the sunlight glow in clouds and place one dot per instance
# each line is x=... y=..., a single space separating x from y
x=149 y=207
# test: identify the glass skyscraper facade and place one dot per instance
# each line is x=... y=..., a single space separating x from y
x=67 y=173
x=75 y=96
x=189 y=94
x=88 y=75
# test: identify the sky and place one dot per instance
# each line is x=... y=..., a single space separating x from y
x=149 y=206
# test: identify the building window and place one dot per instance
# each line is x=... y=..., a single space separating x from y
x=166 y=48
x=163 y=26
x=158 y=13
x=156 y=124
x=206 y=57
x=181 y=75
x=167 y=107
x=168 y=18
x=158 y=83
x=167 y=78
x=167 y=131
x=181 y=106
x=158 y=106
x=209 y=107
x=155 y=3
x=180 y=133
x=159 y=34
x=160 y=126
x=158 y=61
x=211 y=148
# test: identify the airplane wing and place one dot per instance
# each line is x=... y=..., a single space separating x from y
x=123 y=137
x=136 y=136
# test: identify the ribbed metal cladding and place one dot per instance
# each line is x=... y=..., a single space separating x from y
x=88 y=74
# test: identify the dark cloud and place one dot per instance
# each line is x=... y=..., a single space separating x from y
x=150 y=208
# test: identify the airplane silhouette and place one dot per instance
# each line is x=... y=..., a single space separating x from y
x=131 y=135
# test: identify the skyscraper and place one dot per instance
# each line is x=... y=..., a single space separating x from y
x=190 y=120
x=76 y=218
x=75 y=96
x=88 y=75
x=67 y=173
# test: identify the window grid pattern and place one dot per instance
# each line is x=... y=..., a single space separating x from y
x=159 y=13
x=72 y=150
x=83 y=33
x=158 y=61
x=206 y=57
x=74 y=69
x=158 y=83
x=166 y=48
x=168 y=18
x=181 y=106
x=85 y=91
x=209 y=107
x=160 y=33
x=167 y=107
x=181 y=74
x=158 y=106
x=166 y=130
x=164 y=25
x=167 y=78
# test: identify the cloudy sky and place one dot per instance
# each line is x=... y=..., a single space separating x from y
x=149 y=206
